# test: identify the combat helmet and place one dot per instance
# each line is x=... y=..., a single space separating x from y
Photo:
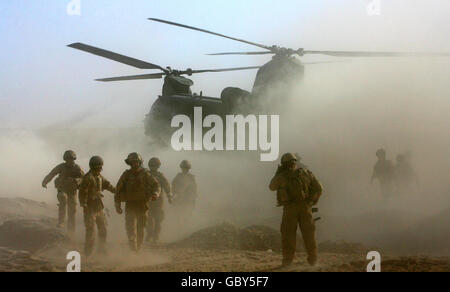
x=69 y=155
x=154 y=162
x=288 y=157
x=95 y=162
x=185 y=164
x=133 y=157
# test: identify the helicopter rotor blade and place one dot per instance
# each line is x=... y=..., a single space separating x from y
x=241 y=53
x=133 y=77
x=210 y=32
x=222 y=70
x=323 y=62
x=115 y=57
x=374 y=54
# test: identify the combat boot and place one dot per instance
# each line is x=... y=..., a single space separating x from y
x=312 y=260
x=286 y=262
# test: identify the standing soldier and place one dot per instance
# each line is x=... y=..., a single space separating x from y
x=90 y=196
x=297 y=191
x=383 y=171
x=69 y=176
x=184 y=187
x=156 y=215
x=136 y=187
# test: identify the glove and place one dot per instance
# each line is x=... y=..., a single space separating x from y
x=118 y=208
x=169 y=198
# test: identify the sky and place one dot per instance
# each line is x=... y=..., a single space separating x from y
x=44 y=83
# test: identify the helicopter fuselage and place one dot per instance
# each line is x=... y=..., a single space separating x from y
x=274 y=78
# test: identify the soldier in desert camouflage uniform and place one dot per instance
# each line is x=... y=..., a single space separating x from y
x=384 y=172
x=184 y=187
x=136 y=187
x=156 y=213
x=90 y=196
x=297 y=191
x=69 y=176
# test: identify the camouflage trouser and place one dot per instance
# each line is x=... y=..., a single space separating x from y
x=92 y=218
x=67 y=204
x=136 y=216
x=298 y=213
x=155 y=218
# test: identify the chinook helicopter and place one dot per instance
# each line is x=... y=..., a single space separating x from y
x=285 y=69
x=177 y=97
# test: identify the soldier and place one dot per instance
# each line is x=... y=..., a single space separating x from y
x=90 y=196
x=156 y=213
x=383 y=171
x=184 y=187
x=300 y=191
x=69 y=176
x=136 y=187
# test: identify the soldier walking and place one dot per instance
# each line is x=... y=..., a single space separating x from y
x=297 y=191
x=383 y=171
x=90 y=196
x=184 y=187
x=136 y=187
x=69 y=176
x=156 y=213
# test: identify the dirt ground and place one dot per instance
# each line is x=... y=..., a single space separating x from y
x=163 y=259
x=30 y=242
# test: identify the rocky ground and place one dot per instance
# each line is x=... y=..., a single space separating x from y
x=178 y=259
x=29 y=241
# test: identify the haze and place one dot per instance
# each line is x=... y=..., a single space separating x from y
x=343 y=112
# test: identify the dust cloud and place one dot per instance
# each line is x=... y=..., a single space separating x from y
x=336 y=118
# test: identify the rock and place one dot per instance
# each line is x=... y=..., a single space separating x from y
x=30 y=234
x=222 y=236
x=259 y=238
x=229 y=236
